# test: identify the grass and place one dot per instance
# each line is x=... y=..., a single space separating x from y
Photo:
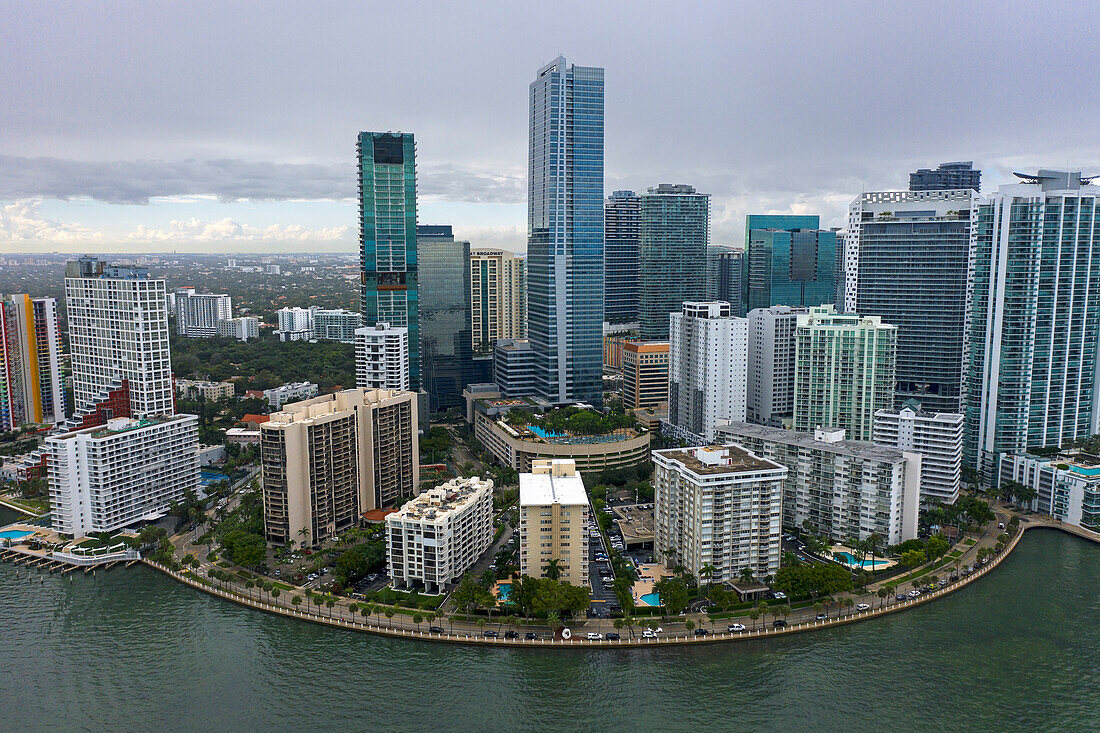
x=969 y=541
x=35 y=506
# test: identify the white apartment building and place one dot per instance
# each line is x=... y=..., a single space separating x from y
x=334 y=324
x=498 y=296
x=382 y=357
x=295 y=324
x=242 y=329
x=209 y=391
x=771 y=362
x=707 y=369
x=1067 y=485
x=720 y=506
x=553 y=521
x=843 y=488
x=435 y=537
x=118 y=338
x=198 y=314
x=293 y=392
x=937 y=437
x=109 y=477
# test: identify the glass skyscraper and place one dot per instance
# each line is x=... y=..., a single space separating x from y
x=789 y=261
x=565 y=245
x=725 y=270
x=446 y=354
x=672 y=249
x=948 y=176
x=387 y=236
x=906 y=260
x=1032 y=318
x=622 y=211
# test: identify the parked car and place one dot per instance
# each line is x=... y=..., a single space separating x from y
x=612 y=636
x=863 y=607
x=899 y=597
x=735 y=628
x=594 y=636
x=648 y=634
x=490 y=634
x=914 y=593
x=436 y=630
x=779 y=623
x=780 y=595
x=822 y=617
x=531 y=636
x=702 y=632
x=509 y=634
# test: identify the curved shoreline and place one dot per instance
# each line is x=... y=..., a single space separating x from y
x=714 y=638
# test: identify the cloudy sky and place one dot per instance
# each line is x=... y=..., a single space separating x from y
x=231 y=126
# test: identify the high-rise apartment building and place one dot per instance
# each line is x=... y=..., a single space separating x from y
x=334 y=324
x=498 y=297
x=553 y=521
x=295 y=324
x=718 y=506
x=327 y=460
x=673 y=234
x=789 y=266
x=565 y=246
x=387 y=236
x=31 y=388
x=1067 y=485
x=725 y=272
x=1032 y=323
x=947 y=177
x=291 y=392
x=707 y=368
x=844 y=371
x=242 y=329
x=446 y=357
x=844 y=488
x=936 y=436
x=771 y=362
x=118 y=342
x=382 y=357
x=906 y=260
x=437 y=536
x=645 y=374
x=197 y=314
x=622 y=215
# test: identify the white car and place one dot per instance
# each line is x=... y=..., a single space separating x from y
x=914 y=593
x=735 y=628
x=780 y=595
x=863 y=607
x=594 y=636
x=648 y=634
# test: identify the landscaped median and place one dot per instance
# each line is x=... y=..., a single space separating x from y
x=243 y=598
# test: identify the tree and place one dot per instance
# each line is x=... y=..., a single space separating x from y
x=708 y=571
x=882 y=593
x=618 y=624
x=848 y=603
x=390 y=613
x=296 y=601
x=818 y=607
x=418 y=619
x=552 y=569
x=275 y=593
x=937 y=546
x=673 y=593
x=754 y=614
x=689 y=624
x=329 y=604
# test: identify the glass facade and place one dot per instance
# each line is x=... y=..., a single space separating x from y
x=387 y=236
x=622 y=211
x=793 y=267
x=724 y=275
x=565 y=247
x=446 y=356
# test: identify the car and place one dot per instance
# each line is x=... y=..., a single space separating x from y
x=914 y=593
x=954 y=578
x=531 y=636
x=436 y=630
x=822 y=617
x=612 y=636
x=509 y=634
x=943 y=582
x=780 y=595
x=779 y=623
x=899 y=597
x=702 y=632
x=735 y=628
x=648 y=634
x=863 y=607
x=490 y=634
x=1000 y=525
x=595 y=636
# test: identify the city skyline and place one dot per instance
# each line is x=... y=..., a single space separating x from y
x=207 y=154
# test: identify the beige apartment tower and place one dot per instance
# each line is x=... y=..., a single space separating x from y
x=327 y=460
x=498 y=297
x=645 y=374
x=553 y=521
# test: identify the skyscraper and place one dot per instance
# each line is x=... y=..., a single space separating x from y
x=725 y=267
x=789 y=266
x=673 y=234
x=622 y=212
x=946 y=177
x=1032 y=329
x=445 y=331
x=387 y=236
x=771 y=356
x=498 y=297
x=197 y=314
x=565 y=255
x=30 y=362
x=906 y=260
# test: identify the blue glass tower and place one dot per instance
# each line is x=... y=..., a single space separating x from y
x=788 y=261
x=565 y=244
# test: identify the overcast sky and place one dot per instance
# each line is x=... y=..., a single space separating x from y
x=231 y=126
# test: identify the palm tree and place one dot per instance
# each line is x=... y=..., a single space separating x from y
x=552 y=620
x=670 y=555
x=275 y=593
x=848 y=603
x=430 y=616
x=818 y=607
x=303 y=532
x=418 y=619
x=389 y=615
x=618 y=624
x=873 y=541
x=552 y=569
x=754 y=614
x=708 y=571
x=689 y=625
x=366 y=611
x=329 y=603
x=296 y=601
x=882 y=593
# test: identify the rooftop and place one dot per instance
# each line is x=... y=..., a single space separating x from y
x=455 y=495
x=540 y=489
x=714 y=460
x=855 y=448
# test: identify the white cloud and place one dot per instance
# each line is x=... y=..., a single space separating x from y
x=20 y=222
x=228 y=230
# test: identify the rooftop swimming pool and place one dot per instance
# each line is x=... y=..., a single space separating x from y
x=14 y=534
x=544 y=433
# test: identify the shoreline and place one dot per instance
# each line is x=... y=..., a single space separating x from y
x=637 y=642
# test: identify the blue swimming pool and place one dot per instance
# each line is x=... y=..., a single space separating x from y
x=503 y=590
x=847 y=559
x=543 y=433
x=652 y=599
x=14 y=534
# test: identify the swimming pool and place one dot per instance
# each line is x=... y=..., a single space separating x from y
x=543 y=433
x=652 y=599
x=847 y=559
x=503 y=589
x=14 y=534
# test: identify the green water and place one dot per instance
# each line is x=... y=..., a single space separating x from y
x=132 y=650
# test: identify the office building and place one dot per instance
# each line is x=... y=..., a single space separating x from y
x=328 y=460
x=906 y=261
x=334 y=324
x=707 y=369
x=947 y=177
x=844 y=371
x=673 y=234
x=936 y=436
x=725 y=267
x=844 y=488
x=295 y=324
x=645 y=374
x=1032 y=318
x=553 y=521
x=210 y=391
x=789 y=266
x=382 y=357
x=31 y=388
x=241 y=329
x=437 y=536
x=445 y=320
x=771 y=362
x=498 y=297
x=118 y=342
x=111 y=476
x=514 y=367
x=718 y=506
x=622 y=215
x=278 y=396
x=387 y=236
x=197 y=314
x=1067 y=484
x=565 y=257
